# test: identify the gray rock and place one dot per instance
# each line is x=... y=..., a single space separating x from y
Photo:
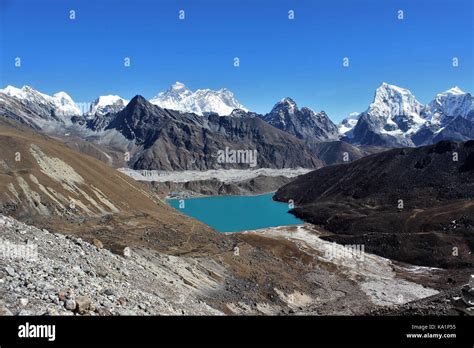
x=109 y=292
x=70 y=305
x=24 y=312
x=52 y=311
x=127 y=252
x=10 y=271
x=4 y=310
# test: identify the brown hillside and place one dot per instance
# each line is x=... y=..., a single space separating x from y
x=47 y=184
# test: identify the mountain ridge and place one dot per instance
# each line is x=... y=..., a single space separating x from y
x=374 y=201
x=169 y=139
x=303 y=123
x=396 y=119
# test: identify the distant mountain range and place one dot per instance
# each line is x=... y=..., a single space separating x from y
x=396 y=119
x=180 y=129
x=178 y=97
x=36 y=109
x=167 y=139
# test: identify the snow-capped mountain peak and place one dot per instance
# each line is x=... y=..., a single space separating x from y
x=177 y=91
x=179 y=86
x=63 y=97
x=455 y=90
x=286 y=104
x=14 y=92
x=395 y=111
x=396 y=118
x=65 y=104
x=23 y=93
x=287 y=101
x=179 y=97
x=107 y=103
x=391 y=100
x=60 y=103
x=448 y=104
x=347 y=125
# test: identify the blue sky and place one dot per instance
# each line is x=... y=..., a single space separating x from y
x=300 y=58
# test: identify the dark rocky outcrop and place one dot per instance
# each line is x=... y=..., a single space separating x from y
x=170 y=140
x=303 y=123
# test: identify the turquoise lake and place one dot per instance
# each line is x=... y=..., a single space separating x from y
x=237 y=213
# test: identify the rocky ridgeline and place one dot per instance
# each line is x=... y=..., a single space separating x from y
x=72 y=277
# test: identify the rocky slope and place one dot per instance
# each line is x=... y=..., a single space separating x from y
x=67 y=276
x=45 y=183
x=53 y=274
x=413 y=204
x=337 y=151
x=115 y=248
x=316 y=130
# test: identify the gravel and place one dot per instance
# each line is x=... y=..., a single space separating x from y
x=144 y=282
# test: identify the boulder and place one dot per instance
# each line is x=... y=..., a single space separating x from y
x=127 y=252
x=83 y=304
x=98 y=243
x=70 y=305
x=10 y=271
